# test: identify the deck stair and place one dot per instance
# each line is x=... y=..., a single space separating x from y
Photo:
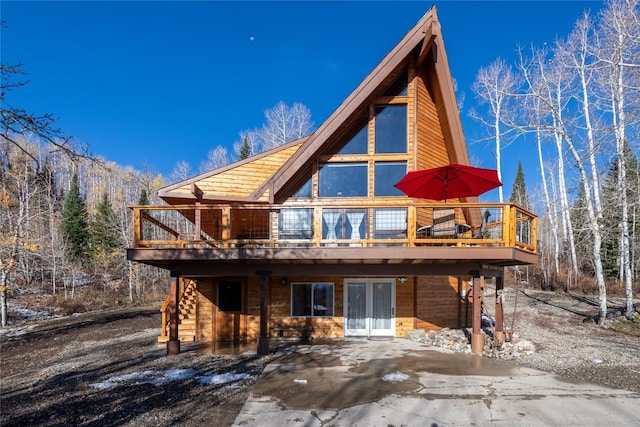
x=186 y=315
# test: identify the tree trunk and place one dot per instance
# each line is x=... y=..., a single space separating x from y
x=3 y=298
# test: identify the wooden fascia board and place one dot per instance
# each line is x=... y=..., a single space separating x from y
x=360 y=95
x=443 y=74
x=431 y=31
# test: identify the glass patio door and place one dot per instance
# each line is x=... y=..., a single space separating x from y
x=369 y=307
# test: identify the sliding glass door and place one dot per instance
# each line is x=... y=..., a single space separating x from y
x=369 y=307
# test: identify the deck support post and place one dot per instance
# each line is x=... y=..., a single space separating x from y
x=263 y=340
x=499 y=335
x=173 y=345
x=477 y=337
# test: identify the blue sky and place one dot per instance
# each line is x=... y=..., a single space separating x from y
x=149 y=83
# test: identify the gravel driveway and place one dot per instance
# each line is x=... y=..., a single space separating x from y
x=106 y=368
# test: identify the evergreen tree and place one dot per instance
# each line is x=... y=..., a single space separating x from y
x=245 y=150
x=144 y=197
x=75 y=229
x=612 y=214
x=583 y=238
x=519 y=190
x=105 y=235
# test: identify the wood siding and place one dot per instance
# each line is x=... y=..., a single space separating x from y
x=254 y=173
x=438 y=304
x=424 y=302
x=205 y=321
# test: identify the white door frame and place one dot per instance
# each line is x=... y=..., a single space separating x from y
x=366 y=325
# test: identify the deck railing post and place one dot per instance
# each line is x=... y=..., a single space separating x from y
x=197 y=223
x=137 y=227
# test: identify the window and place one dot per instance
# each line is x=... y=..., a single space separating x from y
x=344 y=224
x=390 y=223
x=359 y=144
x=230 y=295
x=398 y=87
x=312 y=299
x=304 y=191
x=296 y=224
x=391 y=129
x=387 y=174
x=343 y=179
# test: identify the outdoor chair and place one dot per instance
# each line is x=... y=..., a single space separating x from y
x=444 y=223
x=480 y=232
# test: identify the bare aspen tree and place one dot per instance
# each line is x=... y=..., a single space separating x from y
x=549 y=206
x=575 y=56
x=619 y=49
x=285 y=124
x=216 y=158
x=180 y=172
x=494 y=86
x=548 y=89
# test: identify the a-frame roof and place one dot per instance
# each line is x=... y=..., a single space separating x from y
x=279 y=167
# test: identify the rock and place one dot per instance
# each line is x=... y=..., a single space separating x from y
x=416 y=335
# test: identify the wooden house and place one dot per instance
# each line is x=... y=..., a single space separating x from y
x=313 y=239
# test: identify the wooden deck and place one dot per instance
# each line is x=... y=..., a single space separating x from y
x=197 y=238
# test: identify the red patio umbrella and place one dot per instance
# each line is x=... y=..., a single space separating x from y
x=450 y=181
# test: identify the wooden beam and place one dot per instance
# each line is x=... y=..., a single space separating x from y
x=477 y=337
x=430 y=32
x=154 y=221
x=499 y=335
x=197 y=191
x=263 y=340
x=173 y=345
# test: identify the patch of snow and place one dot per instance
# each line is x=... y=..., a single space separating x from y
x=146 y=377
x=395 y=377
x=596 y=361
x=223 y=378
x=19 y=330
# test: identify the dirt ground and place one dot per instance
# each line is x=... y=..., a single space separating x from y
x=106 y=368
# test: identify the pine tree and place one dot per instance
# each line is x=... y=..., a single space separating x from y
x=75 y=229
x=144 y=197
x=245 y=150
x=519 y=190
x=612 y=214
x=105 y=235
x=582 y=236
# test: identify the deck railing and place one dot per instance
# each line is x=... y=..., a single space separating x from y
x=333 y=225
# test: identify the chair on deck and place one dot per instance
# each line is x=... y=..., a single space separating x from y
x=444 y=223
x=480 y=232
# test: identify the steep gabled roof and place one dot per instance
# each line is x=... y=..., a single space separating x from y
x=270 y=176
x=423 y=40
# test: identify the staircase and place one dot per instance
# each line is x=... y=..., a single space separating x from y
x=186 y=315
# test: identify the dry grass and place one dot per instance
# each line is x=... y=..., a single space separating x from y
x=626 y=326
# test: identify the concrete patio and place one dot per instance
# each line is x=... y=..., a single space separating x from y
x=398 y=382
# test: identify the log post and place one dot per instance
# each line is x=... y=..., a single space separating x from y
x=173 y=345
x=263 y=340
x=499 y=336
x=477 y=337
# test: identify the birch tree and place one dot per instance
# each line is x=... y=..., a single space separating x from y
x=494 y=86
x=285 y=124
x=619 y=49
x=216 y=158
